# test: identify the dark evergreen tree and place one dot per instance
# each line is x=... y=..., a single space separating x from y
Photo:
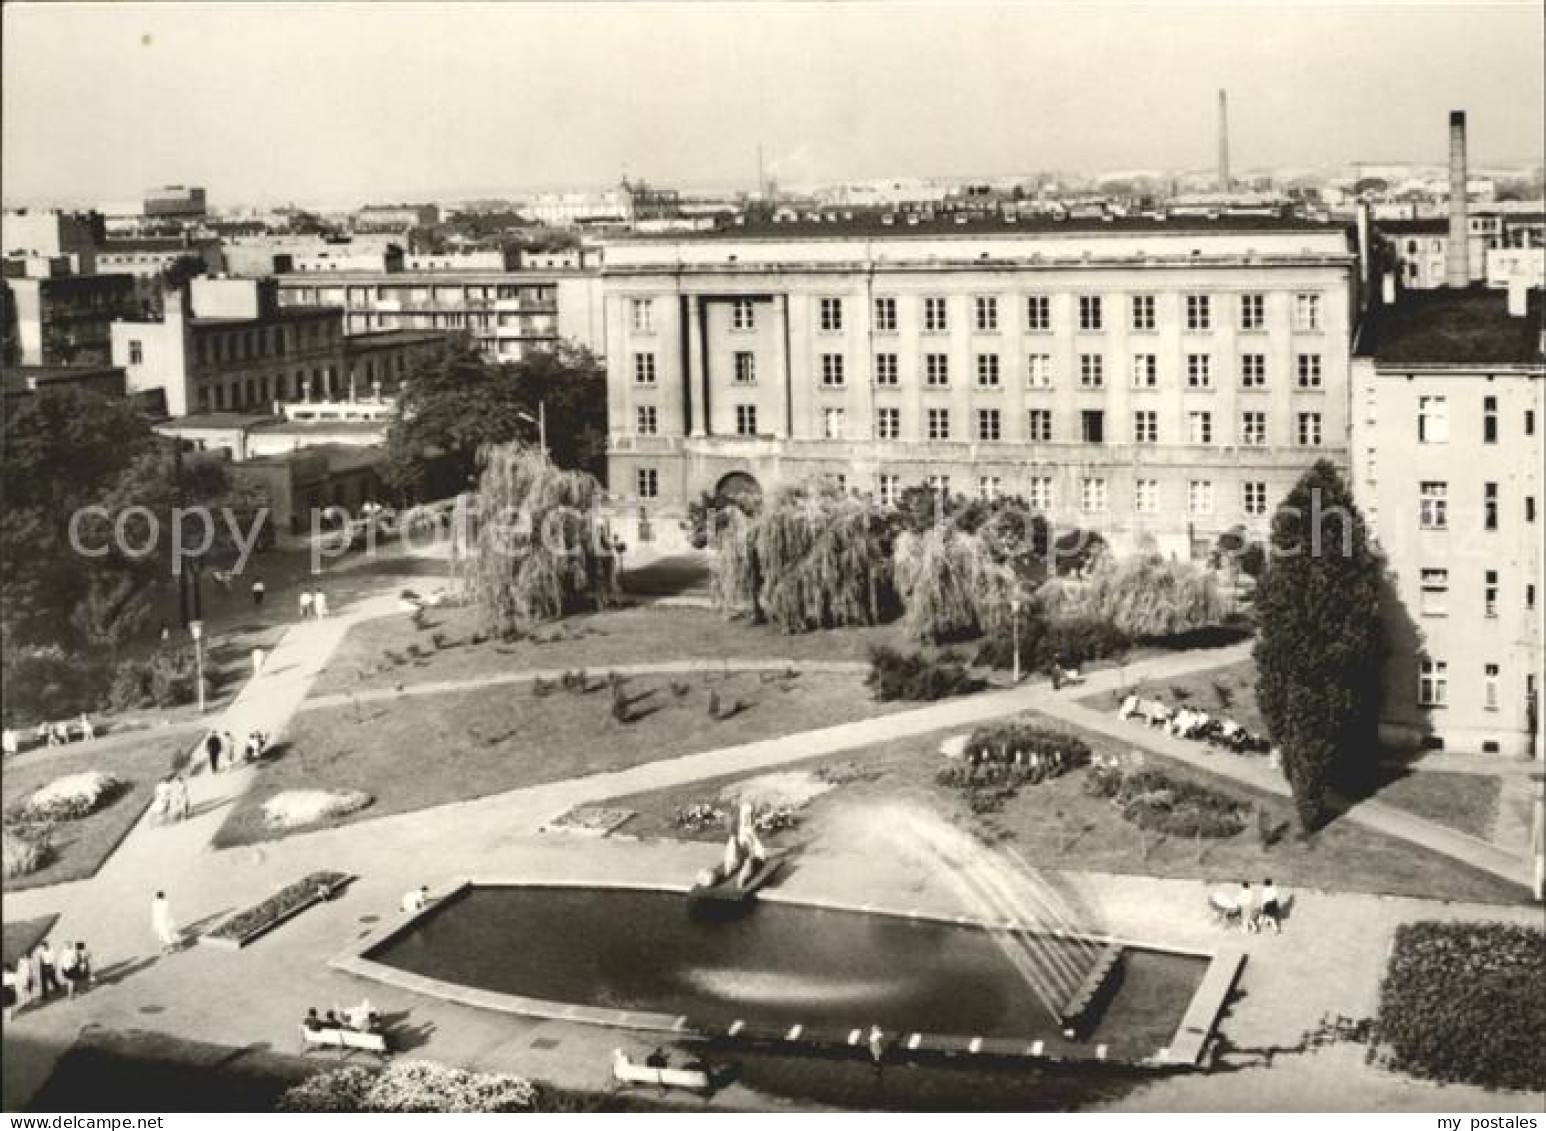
x=1321 y=645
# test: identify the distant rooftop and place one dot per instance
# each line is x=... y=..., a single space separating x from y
x=371 y=339
x=1453 y=327
x=243 y=420
x=1436 y=225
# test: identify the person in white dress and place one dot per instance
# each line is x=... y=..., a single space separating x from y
x=319 y=604
x=163 y=924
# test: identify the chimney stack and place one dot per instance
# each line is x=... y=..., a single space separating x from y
x=1457 y=257
x=1223 y=141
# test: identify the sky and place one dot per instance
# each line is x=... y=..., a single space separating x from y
x=342 y=103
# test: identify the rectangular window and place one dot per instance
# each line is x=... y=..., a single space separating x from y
x=936 y=316
x=1199 y=427
x=1490 y=506
x=1309 y=429
x=1254 y=498
x=1092 y=496
x=646 y=482
x=1199 y=496
x=1489 y=420
x=936 y=370
x=1490 y=673
x=1490 y=593
x=743 y=314
x=1090 y=312
x=986 y=307
x=1039 y=426
x=1092 y=371
x=1253 y=429
x=988 y=424
x=1307 y=312
x=1529 y=422
x=1040 y=371
x=988 y=487
x=1092 y=426
x=646 y=420
x=1039 y=493
x=939 y=484
x=1253 y=312
x=1253 y=371
x=136 y=351
x=885 y=317
x=1146 y=427
x=886 y=370
x=745 y=420
x=1432 y=683
x=1433 y=505
x=1038 y=313
x=1199 y=371
x=833 y=423
x=888 y=424
x=987 y=370
x=1146 y=496
x=1145 y=371
x=1309 y=370
x=1199 y=312
x=1432 y=420
x=643 y=315
x=890 y=489
x=745 y=368
x=1530 y=597
x=938 y=420
x=832 y=376
x=1529 y=508
x=1143 y=312
x=831 y=317
x=1435 y=593
x=644 y=368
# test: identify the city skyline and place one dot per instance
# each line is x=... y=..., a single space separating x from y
x=331 y=106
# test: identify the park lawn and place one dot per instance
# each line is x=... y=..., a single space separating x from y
x=419 y=752
x=19 y=936
x=638 y=634
x=1467 y=803
x=1058 y=825
x=79 y=848
x=1228 y=691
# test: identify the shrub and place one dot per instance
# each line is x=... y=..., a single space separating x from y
x=1142 y=596
x=912 y=676
x=410 y=1086
x=25 y=850
x=950 y=584
x=165 y=678
x=1462 y=1003
x=1157 y=802
x=70 y=798
x=49 y=683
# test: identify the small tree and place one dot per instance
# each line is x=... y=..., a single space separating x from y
x=1321 y=644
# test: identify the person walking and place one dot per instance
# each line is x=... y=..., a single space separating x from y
x=306 y=603
x=88 y=732
x=212 y=749
x=68 y=956
x=258 y=655
x=259 y=590
x=163 y=924
x=179 y=798
x=11 y=744
x=48 y=978
x=319 y=604
x=161 y=801
x=84 y=975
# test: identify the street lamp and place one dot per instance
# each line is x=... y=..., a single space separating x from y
x=1014 y=620
x=541 y=421
x=196 y=630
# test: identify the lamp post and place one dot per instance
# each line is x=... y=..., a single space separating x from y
x=1014 y=621
x=196 y=630
x=541 y=421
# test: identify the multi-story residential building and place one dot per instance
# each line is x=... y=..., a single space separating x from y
x=1448 y=413
x=62 y=318
x=507 y=313
x=53 y=234
x=1160 y=381
x=1502 y=249
x=149 y=257
x=396 y=217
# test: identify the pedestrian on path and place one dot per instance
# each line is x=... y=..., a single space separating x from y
x=68 y=956
x=258 y=591
x=163 y=924
x=48 y=979
x=212 y=749
x=257 y=662
x=179 y=799
x=319 y=604
x=306 y=603
x=11 y=743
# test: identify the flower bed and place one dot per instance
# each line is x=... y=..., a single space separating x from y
x=295 y=808
x=996 y=760
x=70 y=798
x=245 y=926
x=706 y=816
x=1153 y=800
x=1462 y=1003
x=25 y=851
x=410 y=1086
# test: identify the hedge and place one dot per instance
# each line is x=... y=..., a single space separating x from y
x=1463 y=1003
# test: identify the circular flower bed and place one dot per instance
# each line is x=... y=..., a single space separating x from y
x=410 y=1086
x=70 y=798
x=1153 y=800
x=296 y=807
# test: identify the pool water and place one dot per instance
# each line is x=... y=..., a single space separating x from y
x=771 y=962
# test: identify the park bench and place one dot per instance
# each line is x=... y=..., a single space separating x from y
x=344 y=1040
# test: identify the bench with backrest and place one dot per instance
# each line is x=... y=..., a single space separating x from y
x=344 y=1040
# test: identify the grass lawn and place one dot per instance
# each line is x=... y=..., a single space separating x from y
x=79 y=848
x=1229 y=691
x=634 y=635
x=1058 y=825
x=21 y=935
x=430 y=750
x=1467 y=803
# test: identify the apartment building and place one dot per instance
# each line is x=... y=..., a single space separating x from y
x=62 y=318
x=1448 y=412
x=1160 y=381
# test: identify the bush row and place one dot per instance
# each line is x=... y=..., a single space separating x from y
x=912 y=676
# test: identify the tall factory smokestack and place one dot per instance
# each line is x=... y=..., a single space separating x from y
x=1223 y=141
x=1457 y=257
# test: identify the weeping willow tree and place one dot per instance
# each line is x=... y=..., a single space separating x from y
x=538 y=550
x=952 y=584
x=809 y=560
x=1143 y=596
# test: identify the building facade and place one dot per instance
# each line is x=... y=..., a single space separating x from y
x=1449 y=406
x=1161 y=382
x=63 y=318
x=176 y=202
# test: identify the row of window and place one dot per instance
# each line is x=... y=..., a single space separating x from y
x=1433 y=684
x=260 y=342
x=1433 y=505
x=1039 y=370
x=1433 y=600
x=1200 y=312
x=1433 y=420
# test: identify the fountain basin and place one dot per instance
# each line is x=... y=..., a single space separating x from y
x=781 y=970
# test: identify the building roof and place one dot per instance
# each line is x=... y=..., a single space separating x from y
x=29 y=378
x=375 y=339
x=1436 y=225
x=323 y=427
x=157 y=243
x=1453 y=327
x=217 y=421
x=280 y=314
